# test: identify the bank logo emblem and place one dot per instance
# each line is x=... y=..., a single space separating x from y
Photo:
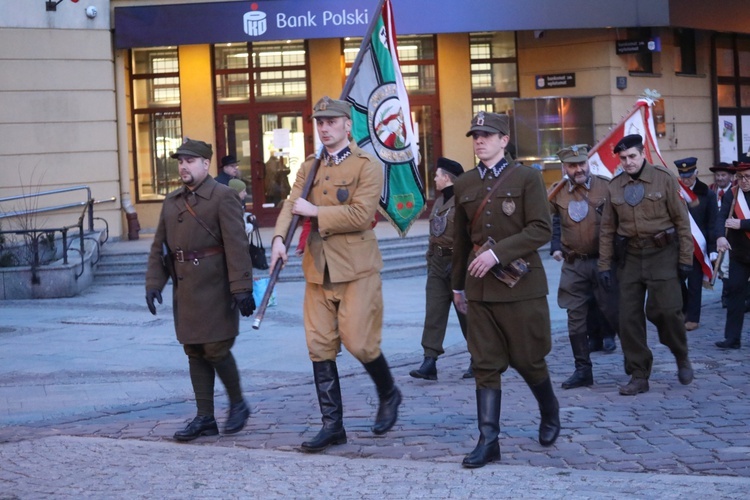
x=254 y=22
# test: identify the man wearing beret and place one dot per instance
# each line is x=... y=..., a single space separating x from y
x=229 y=170
x=703 y=210
x=723 y=177
x=341 y=262
x=502 y=216
x=438 y=291
x=201 y=235
x=645 y=232
x=734 y=217
x=579 y=205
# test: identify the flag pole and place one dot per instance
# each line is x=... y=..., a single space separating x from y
x=274 y=276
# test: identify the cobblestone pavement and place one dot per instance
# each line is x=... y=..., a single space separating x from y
x=93 y=387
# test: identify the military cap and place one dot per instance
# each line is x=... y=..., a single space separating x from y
x=627 y=142
x=739 y=166
x=450 y=166
x=686 y=166
x=237 y=185
x=331 y=108
x=228 y=160
x=492 y=123
x=194 y=148
x=577 y=153
x=721 y=167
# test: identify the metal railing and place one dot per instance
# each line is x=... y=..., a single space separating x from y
x=35 y=234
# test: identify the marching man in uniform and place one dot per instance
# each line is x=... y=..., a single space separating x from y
x=579 y=205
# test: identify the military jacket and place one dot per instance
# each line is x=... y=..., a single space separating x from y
x=202 y=295
x=444 y=212
x=661 y=207
x=581 y=236
x=341 y=239
x=516 y=217
x=704 y=213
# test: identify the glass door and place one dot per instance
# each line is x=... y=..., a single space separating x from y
x=237 y=142
x=282 y=139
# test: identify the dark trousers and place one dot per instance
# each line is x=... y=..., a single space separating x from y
x=503 y=334
x=736 y=286
x=692 y=293
x=579 y=284
x=439 y=300
x=652 y=270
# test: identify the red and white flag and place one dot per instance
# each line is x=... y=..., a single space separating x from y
x=602 y=161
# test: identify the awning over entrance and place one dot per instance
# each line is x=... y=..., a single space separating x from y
x=221 y=22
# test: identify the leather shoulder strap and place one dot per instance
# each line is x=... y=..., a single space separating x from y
x=503 y=175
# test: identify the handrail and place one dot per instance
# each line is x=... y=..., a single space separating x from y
x=36 y=233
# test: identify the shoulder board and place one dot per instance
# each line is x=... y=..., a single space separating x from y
x=663 y=169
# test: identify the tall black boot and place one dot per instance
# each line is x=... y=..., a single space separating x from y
x=488 y=415
x=388 y=393
x=329 y=398
x=582 y=376
x=549 y=408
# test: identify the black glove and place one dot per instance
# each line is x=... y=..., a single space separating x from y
x=683 y=271
x=605 y=278
x=152 y=294
x=245 y=301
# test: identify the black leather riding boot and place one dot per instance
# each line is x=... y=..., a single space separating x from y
x=329 y=398
x=488 y=416
x=549 y=408
x=239 y=412
x=388 y=393
x=583 y=376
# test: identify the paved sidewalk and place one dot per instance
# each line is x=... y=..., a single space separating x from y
x=93 y=387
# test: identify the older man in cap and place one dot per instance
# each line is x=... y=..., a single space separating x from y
x=438 y=291
x=228 y=170
x=343 y=296
x=723 y=177
x=703 y=209
x=734 y=217
x=502 y=218
x=201 y=240
x=645 y=232
x=579 y=205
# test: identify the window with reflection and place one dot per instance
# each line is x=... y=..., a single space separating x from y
x=157 y=123
x=273 y=70
x=544 y=125
x=731 y=61
x=494 y=71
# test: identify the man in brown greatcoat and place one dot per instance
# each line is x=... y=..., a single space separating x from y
x=201 y=234
x=438 y=291
x=646 y=226
x=507 y=326
x=341 y=263
x=579 y=204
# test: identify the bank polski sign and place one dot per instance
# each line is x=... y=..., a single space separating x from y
x=256 y=21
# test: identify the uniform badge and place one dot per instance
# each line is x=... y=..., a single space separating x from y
x=634 y=193
x=438 y=225
x=342 y=195
x=509 y=206
x=578 y=210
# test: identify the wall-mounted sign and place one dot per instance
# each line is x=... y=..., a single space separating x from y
x=555 y=81
x=638 y=46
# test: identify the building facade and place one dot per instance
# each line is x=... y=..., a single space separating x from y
x=104 y=100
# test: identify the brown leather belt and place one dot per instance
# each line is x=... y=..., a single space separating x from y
x=573 y=256
x=195 y=255
x=659 y=240
x=441 y=251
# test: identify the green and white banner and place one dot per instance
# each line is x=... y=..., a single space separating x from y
x=382 y=122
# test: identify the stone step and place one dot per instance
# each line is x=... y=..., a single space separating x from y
x=402 y=257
